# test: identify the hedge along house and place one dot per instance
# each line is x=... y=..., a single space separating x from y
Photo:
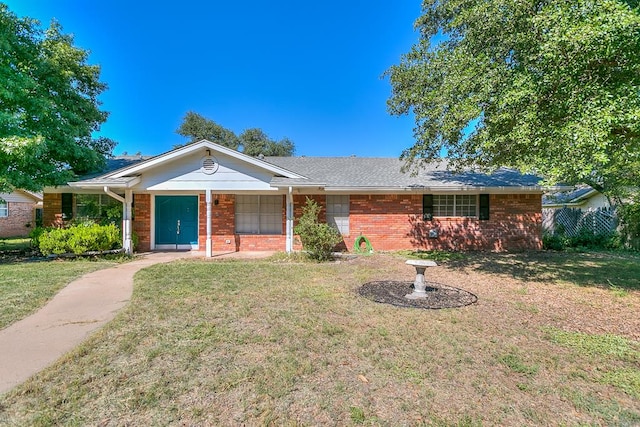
x=203 y=196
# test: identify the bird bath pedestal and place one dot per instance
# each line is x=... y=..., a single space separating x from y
x=419 y=286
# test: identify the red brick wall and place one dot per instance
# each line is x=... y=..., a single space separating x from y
x=394 y=222
x=52 y=210
x=15 y=225
x=223 y=226
x=142 y=221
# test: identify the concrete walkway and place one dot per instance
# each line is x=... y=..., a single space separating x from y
x=86 y=304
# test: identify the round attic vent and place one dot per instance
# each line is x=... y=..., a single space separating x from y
x=209 y=165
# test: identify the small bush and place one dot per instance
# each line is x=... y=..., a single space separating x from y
x=79 y=239
x=318 y=239
x=35 y=234
x=584 y=239
x=629 y=214
x=554 y=242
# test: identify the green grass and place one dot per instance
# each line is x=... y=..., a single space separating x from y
x=14 y=244
x=289 y=343
x=618 y=271
x=615 y=360
x=26 y=286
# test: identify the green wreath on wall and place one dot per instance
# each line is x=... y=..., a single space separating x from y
x=357 y=245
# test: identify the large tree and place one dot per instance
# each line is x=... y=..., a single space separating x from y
x=253 y=142
x=545 y=86
x=49 y=106
x=196 y=127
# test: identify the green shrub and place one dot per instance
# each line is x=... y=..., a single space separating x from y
x=554 y=242
x=35 y=234
x=629 y=214
x=79 y=239
x=318 y=239
x=584 y=239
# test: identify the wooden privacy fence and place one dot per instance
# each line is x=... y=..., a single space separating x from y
x=573 y=221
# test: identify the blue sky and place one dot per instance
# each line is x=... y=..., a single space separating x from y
x=309 y=71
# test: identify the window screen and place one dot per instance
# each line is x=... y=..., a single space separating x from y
x=259 y=214
x=338 y=213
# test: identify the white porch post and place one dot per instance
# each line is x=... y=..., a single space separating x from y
x=209 y=245
x=289 y=240
x=126 y=221
x=126 y=217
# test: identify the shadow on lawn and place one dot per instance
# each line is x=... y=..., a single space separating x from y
x=601 y=269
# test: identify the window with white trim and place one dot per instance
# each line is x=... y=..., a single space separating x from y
x=338 y=213
x=4 y=208
x=461 y=205
x=258 y=214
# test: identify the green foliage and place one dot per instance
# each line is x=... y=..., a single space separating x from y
x=585 y=239
x=254 y=142
x=629 y=214
x=556 y=94
x=77 y=239
x=318 y=239
x=197 y=127
x=49 y=106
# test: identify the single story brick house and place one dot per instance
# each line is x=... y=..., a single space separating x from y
x=210 y=198
x=18 y=212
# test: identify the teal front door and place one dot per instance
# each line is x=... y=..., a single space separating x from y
x=176 y=220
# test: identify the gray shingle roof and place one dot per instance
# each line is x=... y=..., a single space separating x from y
x=362 y=172
x=564 y=197
x=113 y=164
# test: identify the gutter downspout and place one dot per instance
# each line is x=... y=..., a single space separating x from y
x=126 y=201
x=289 y=239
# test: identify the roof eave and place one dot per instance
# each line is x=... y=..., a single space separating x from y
x=418 y=189
x=106 y=183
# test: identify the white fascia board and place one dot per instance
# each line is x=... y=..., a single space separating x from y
x=99 y=184
x=196 y=146
x=584 y=197
x=561 y=205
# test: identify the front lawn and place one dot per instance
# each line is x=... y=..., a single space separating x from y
x=552 y=340
x=26 y=286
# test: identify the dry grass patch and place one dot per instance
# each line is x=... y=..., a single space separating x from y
x=276 y=343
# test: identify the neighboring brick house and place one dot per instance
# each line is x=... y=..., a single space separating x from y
x=207 y=197
x=18 y=213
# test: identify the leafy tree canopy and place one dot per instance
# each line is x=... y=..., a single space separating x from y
x=550 y=87
x=252 y=142
x=49 y=106
x=197 y=127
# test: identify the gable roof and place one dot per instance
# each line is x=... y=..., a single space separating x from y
x=124 y=171
x=193 y=147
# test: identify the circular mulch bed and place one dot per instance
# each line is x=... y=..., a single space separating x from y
x=438 y=295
